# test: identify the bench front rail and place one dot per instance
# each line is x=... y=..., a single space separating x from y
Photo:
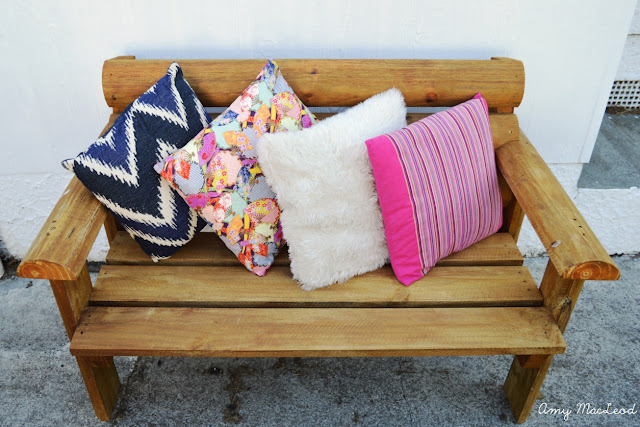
x=201 y=302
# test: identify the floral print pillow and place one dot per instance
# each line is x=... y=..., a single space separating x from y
x=218 y=174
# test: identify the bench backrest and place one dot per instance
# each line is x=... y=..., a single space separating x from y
x=340 y=83
x=330 y=82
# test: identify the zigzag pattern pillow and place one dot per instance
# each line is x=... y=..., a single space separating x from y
x=118 y=167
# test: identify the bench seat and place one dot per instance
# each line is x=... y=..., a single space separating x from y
x=170 y=308
x=277 y=332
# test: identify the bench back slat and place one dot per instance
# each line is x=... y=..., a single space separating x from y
x=206 y=249
x=234 y=286
x=329 y=82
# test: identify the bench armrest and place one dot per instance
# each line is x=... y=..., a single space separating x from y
x=60 y=250
x=573 y=248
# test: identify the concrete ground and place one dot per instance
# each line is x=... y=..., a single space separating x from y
x=615 y=161
x=40 y=383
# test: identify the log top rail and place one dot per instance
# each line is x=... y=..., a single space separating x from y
x=328 y=82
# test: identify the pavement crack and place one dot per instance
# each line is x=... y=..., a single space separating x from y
x=121 y=404
x=231 y=412
x=404 y=396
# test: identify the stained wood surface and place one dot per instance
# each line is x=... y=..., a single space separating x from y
x=208 y=249
x=560 y=295
x=111 y=227
x=72 y=297
x=102 y=382
x=523 y=385
x=301 y=332
x=532 y=361
x=512 y=213
x=497 y=249
x=513 y=216
x=119 y=285
x=572 y=246
x=326 y=82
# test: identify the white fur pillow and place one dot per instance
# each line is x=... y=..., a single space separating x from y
x=322 y=176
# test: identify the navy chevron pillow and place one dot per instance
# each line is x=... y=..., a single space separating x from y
x=118 y=167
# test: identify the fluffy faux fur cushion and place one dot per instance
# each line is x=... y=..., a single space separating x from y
x=331 y=218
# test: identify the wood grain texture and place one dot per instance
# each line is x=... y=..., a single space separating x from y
x=513 y=217
x=119 y=285
x=523 y=385
x=497 y=249
x=102 y=382
x=306 y=332
x=532 y=361
x=512 y=213
x=208 y=249
x=111 y=227
x=571 y=244
x=560 y=295
x=60 y=249
x=326 y=82
x=528 y=371
x=72 y=297
x=502 y=110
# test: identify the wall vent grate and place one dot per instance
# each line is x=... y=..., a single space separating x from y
x=625 y=94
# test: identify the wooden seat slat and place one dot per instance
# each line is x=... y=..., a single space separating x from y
x=295 y=332
x=208 y=249
x=119 y=285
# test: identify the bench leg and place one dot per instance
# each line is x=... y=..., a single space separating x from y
x=101 y=378
x=527 y=372
x=523 y=384
x=72 y=297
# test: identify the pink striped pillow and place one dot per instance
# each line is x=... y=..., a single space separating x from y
x=438 y=187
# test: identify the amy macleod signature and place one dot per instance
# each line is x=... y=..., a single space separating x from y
x=587 y=409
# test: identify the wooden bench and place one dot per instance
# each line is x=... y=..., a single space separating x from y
x=202 y=302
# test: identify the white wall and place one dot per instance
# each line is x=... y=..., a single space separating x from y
x=53 y=105
x=629 y=68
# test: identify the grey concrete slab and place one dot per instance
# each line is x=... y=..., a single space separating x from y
x=615 y=161
x=40 y=383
